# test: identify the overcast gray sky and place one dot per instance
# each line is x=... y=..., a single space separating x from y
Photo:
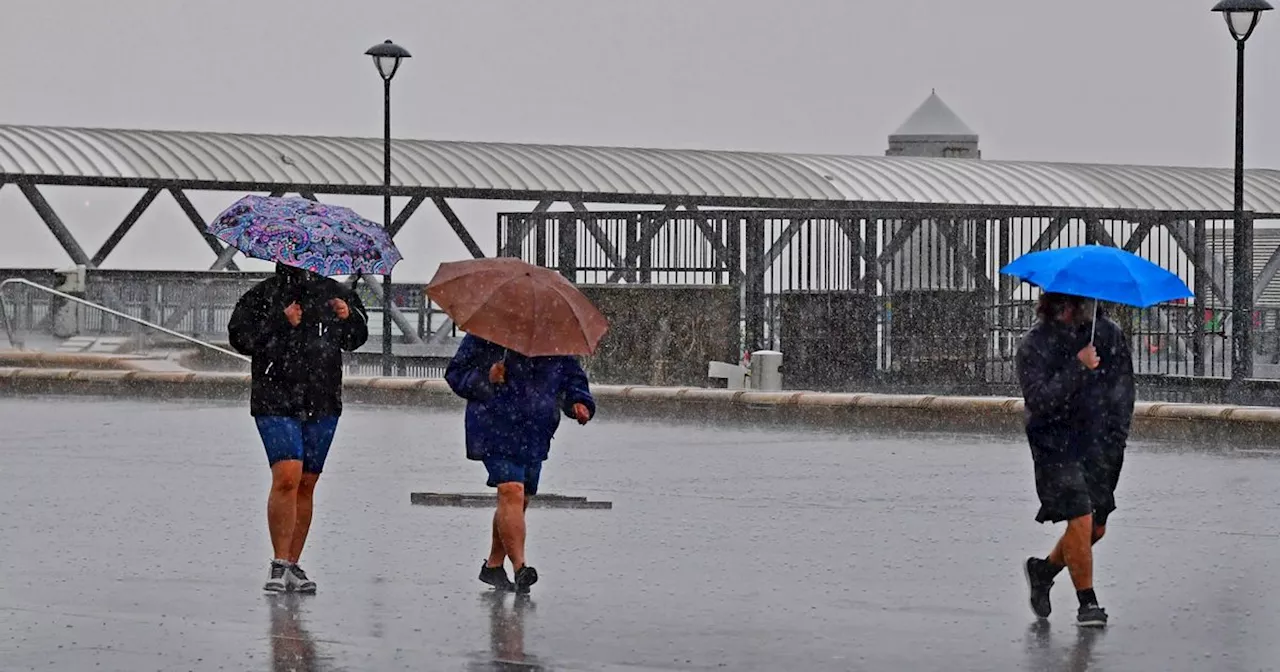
x=1138 y=81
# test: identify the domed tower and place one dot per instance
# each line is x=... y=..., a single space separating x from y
x=934 y=130
x=927 y=262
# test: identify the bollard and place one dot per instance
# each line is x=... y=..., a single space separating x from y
x=766 y=370
x=65 y=320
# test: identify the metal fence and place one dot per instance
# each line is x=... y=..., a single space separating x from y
x=936 y=305
x=195 y=303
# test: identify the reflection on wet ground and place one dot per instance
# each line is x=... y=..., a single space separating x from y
x=292 y=647
x=506 y=635
x=132 y=537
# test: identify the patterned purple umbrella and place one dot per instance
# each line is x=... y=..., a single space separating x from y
x=325 y=239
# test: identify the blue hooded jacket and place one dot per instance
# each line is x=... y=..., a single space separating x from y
x=517 y=419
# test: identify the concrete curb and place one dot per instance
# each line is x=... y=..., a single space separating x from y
x=1152 y=420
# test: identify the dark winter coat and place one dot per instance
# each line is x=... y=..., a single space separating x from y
x=1071 y=410
x=297 y=371
x=518 y=418
x=1111 y=392
x=1052 y=381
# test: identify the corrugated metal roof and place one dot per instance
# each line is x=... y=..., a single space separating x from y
x=520 y=171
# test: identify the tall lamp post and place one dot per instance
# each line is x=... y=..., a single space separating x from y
x=1242 y=17
x=386 y=57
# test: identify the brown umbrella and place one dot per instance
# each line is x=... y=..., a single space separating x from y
x=534 y=311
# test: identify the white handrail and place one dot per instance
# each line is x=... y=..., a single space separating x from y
x=8 y=329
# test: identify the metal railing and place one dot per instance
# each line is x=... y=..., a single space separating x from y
x=16 y=343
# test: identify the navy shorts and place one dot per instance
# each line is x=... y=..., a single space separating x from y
x=294 y=439
x=505 y=470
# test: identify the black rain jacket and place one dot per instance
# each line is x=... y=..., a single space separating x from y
x=1111 y=392
x=297 y=371
x=1052 y=381
x=1069 y=409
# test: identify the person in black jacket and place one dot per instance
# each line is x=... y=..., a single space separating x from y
x=1057 y=371
x=295 y=326
x=1105 y=406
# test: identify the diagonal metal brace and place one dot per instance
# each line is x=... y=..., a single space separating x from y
x=458 y=228
x=51 y=220
x=601 y=238
x=202 y=227
x=109 y=245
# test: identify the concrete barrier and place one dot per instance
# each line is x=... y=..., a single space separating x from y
x=1195 y=423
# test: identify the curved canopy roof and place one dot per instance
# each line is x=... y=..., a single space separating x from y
x=250 y=162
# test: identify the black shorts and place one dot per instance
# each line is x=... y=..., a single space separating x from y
x=1075 y=488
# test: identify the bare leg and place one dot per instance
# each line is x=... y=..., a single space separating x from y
x=282 y=505
x=1075 y=551
x=302 y=522
x=497 y=552
x=510 y=521
x=1055 y=557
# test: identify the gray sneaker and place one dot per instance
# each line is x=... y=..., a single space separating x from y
x=297 y=580
x=275 y=580
x=1091 y=616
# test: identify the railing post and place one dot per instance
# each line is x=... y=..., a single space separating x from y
x=1242 y=300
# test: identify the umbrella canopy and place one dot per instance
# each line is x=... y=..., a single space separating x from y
x=325 y=239
x=1099 y=272
x=533 y=311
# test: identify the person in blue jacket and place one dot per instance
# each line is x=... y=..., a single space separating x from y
x=513 y=410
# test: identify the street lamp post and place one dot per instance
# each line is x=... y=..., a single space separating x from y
x=1242 y=17
x=386 y=57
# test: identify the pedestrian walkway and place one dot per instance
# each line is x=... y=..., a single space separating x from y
x=132 y=540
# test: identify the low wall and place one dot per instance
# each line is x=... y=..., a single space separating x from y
x=1201 y=424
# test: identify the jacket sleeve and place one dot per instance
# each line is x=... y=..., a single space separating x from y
x=1122 y=393
x=353 y=332
x=468 y=372
x=1044 y=389
x=576 y=388
x=254 y=329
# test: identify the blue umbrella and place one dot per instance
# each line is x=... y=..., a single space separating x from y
x=1099 y=272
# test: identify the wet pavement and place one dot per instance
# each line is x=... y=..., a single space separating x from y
x=133 y=537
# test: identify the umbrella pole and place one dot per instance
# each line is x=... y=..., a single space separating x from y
x=1093 y=327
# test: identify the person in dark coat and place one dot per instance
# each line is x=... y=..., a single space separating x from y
x=295 y=326
x=1057 y=371
x=513 y=410
x=1107 y=400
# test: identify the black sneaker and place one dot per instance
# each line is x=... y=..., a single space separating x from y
x=1038 y=583
x=496 y=577
x=1091 y=616
x=525 y=576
